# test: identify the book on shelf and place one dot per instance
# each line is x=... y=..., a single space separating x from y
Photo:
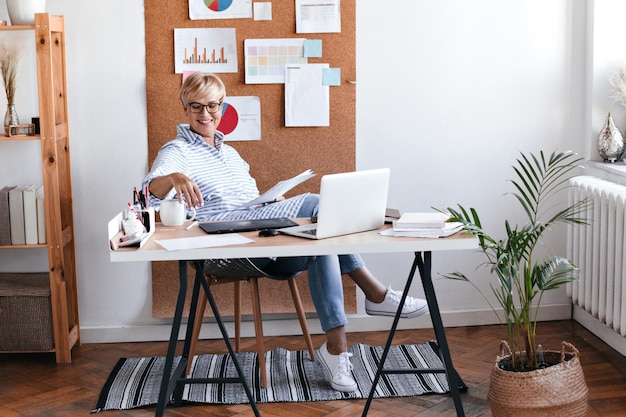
x=5 y=221
x=16 y=215
x=29 y=195
x=280 y=189
x=41 y=216
x=420 y=220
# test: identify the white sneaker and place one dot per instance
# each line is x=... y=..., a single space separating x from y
x=340 y=368
x=413 y=307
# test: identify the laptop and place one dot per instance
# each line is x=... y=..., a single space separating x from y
x=350 y=202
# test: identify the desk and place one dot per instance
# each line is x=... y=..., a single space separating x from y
x=282 y=245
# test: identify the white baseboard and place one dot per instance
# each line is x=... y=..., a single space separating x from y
x=290 y=326
x=605 y=333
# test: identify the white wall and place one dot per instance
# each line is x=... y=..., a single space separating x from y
x=448 y=93
x=606 y=56
x=474 y=83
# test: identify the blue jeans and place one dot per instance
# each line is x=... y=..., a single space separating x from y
x=324 y=274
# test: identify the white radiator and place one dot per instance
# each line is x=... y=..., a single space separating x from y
x=599 y=251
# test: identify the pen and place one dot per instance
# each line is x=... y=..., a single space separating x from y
x=146 y=195
x=191 y=225
x=135 y=196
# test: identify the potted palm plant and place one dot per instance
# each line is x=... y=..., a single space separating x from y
x=519 y=281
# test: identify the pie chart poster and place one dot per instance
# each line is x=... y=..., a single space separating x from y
x=241 y=118
x=220 y=9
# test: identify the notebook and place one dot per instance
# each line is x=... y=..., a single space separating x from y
x=232 y=226
x=350 y=202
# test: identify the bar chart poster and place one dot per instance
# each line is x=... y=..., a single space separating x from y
x=220 y=9
x=206 y=50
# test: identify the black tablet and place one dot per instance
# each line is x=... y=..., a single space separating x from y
x=233 y=226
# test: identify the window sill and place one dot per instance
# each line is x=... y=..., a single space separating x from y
x=609 y=171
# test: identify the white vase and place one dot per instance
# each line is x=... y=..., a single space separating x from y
x=22 y=12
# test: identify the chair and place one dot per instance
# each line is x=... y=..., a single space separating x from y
x=223 y=271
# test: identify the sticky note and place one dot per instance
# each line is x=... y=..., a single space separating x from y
x=262 y=10
x=331 y=76
x=312 y=48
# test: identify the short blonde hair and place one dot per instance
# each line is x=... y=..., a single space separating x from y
x=203 y=83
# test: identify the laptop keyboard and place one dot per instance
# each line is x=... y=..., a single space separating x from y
x=311 y=232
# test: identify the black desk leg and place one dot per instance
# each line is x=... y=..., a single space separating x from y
x=174 y=381
x=168 y=382
x=392 y=332
x=231 y=351
x=180 y=384
x=424 y=266
x=435 y=315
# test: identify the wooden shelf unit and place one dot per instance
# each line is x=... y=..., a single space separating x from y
x=49 y=37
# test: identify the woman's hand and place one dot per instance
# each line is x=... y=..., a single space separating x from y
x=184 y=186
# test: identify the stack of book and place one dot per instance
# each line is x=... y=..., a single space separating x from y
x=426 y=224
x=22 y=215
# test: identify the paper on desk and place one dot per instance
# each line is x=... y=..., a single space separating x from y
x=203 y=241
x=448 y=230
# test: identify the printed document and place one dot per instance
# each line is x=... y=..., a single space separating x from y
x=307 y=99
x=280 y=189
x=315 y=16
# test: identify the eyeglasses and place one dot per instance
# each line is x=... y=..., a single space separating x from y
x=212 y=107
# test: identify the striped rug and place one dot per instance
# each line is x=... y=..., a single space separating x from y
x=292 y=377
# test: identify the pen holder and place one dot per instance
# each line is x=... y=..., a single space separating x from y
x=148 y=218
x=119 y=240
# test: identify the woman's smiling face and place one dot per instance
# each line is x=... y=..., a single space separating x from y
x=208 y=116
x=202 y=96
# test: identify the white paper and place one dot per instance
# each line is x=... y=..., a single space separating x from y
x=420 y=220
x=280 y=189
x=198 y=242
x=262 y=10
x=318 y=16
x=265 y=59
x=206 y=50
x=307 y=99
x=448 y=230
x=216 y=9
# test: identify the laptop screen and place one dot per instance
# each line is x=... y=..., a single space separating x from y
x=352 y=202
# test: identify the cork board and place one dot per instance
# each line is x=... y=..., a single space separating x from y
x=282 y=152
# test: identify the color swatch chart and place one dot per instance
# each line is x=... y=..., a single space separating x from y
x=266 y=59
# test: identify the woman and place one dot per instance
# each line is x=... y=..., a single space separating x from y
x=208 y=174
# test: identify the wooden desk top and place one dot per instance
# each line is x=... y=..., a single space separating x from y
x=283 y=245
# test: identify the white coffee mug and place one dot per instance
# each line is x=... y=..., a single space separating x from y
x=174 y=213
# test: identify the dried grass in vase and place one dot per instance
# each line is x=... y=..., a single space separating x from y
x=9 y=62
x=618 y=81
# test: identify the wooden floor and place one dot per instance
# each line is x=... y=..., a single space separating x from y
x=33 y=385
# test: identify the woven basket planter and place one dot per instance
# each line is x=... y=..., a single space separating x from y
x=558 y=390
